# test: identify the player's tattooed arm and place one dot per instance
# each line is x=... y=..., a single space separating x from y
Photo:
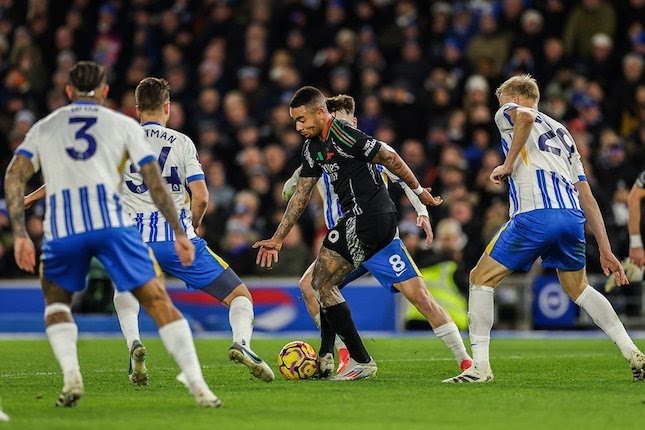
x=160 y=195
x=388 y=157
x=18 y=173
x=296 y=206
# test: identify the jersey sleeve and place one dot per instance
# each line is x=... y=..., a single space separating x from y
x=194 y=171
x=29 y=147
x=362 y=146
x=640 y=181
x=139 y=150
x=309 y=167
x=503 y=118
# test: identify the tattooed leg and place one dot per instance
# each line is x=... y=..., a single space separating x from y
x=329 y=271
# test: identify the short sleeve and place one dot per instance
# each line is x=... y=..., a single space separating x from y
x=139 y=150
x=309 y=167
x=29 y=147
x=640 y=181
x=194 y=171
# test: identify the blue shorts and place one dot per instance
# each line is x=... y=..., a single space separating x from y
x=208 y=269
x=392 y=264
x=125 y=256
x=556 y=235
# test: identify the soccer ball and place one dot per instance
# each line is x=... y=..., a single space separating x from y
x=297 y=360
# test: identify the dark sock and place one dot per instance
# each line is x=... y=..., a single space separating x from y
x=327 y=335
x=340 y=318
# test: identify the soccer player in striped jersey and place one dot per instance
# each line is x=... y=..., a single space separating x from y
x=636 y=195
x=177 y=158
x=366 y=234
x=550 y=201
x=82 y=149
x=342 y=107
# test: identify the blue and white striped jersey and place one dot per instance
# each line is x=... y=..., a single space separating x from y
x=331 y=205
x=548 y=166
x=179 y=165
x=82 y=149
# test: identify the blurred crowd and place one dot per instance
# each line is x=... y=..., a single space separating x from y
x=423 y=74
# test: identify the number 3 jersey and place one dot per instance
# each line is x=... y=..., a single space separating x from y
x=179 y=165
x=82 y=149
x=548 y=166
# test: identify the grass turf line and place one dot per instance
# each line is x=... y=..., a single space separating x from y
x=539 y=384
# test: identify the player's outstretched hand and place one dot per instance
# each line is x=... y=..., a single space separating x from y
x=185 y=250
x=611 y=265
x=428 y=199
x=268 y=252
x=500 y=173
x=25 y=253
x=637 y=256
x=424 y=223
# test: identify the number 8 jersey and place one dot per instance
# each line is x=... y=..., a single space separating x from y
x=548 y=166
x=179 y=165
x=82 y=149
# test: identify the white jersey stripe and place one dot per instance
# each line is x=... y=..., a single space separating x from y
x=329 y=208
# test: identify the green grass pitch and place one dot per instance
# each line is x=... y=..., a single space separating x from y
x=540 y=384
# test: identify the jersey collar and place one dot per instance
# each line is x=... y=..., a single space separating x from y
x=150 y=123
x=85 y=102
x=326 y=129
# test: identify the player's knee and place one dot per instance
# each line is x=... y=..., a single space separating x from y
x=57 y=312
x=480 y=277
x=239 y=291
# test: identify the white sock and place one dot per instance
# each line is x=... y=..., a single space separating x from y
x=338 y=344
x=481 y=313
x=62 y=338
x=178 y=340
x=127 y=309
x=600 y=310
x=449 y=334
x=240 y=315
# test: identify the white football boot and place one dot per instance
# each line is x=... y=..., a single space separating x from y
x=637 y=363
x=472 y=375
x=355 y=370
x=72 y=391
x=138 y=373
x=256 y=365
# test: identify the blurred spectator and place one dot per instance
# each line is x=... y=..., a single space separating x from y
x=488 y=50
x=586 y=19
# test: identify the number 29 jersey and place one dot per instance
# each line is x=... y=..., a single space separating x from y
x=179 y=165
x=548 y=166
x=82 y=149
